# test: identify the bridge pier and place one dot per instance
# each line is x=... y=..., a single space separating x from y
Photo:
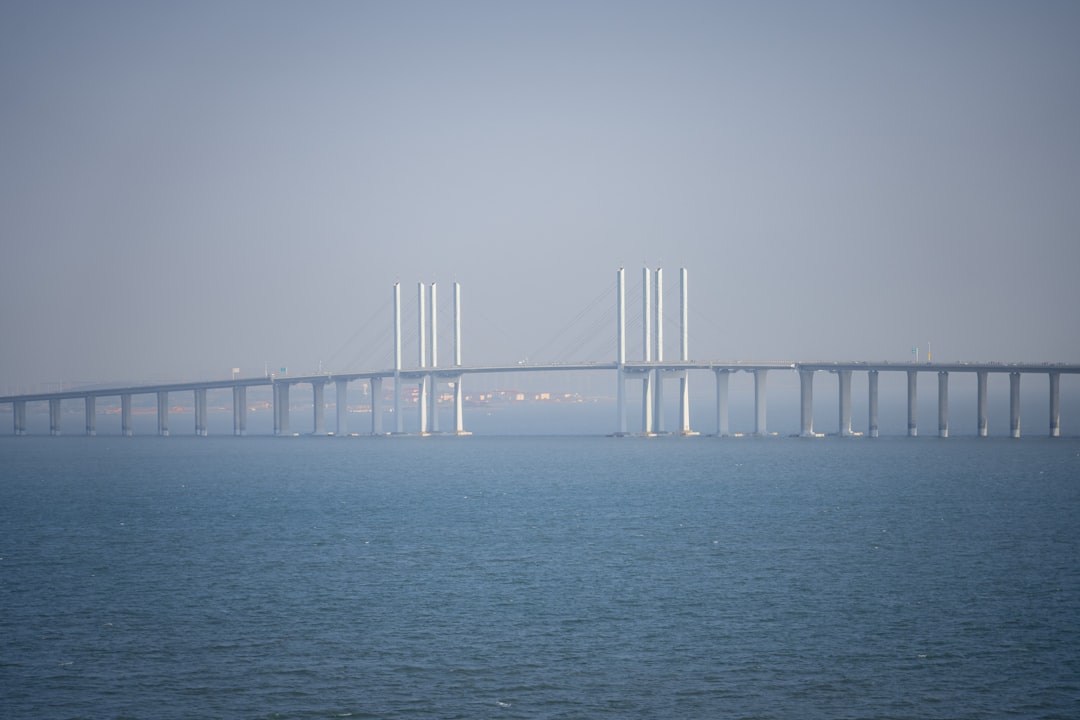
x=872 y=424
x=844 y=377
x=341 y=407
x=125 y=415
x=806 y=403
x=759 y=401
x=981 y=404
x=1055 y=404
x=281 y=408
x=54 y=416
x=239 y=400
x=943 y=404
x=375 y=388
x=433 y=404
x=91 y=415
x=200 y=412
x=422 y=404
x=318 y=396
x=459 y=407
x=912 y=421
x=163 y=413
x=722 y=416
x=19 y=417
x=620 y=401
x=684 y=404
x=658 y=401
x=1014 y=404
x=647 y=426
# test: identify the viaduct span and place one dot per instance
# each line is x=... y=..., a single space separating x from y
x=651 y=371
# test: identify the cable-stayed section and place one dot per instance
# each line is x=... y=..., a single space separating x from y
x=371 y=335
x=568 y=340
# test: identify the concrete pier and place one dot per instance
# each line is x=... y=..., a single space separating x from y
x=281 y=408
x=1014 y=404
x=200 y=412
x=341 y=407
x=1055 y=404
x=318 y=396
x=239 y=395
x=912 y=419
x=658 y=401
x=872 y=421
x=980 y=410
x=54 y=416
x=943 y=404
x=91 y=415
x=759 y=401
x=806 y=403
x=459 y=407
x=19 y=417
x=163 y=413
x=722 y=415
x=375 y=388
x=684 y=405
x=844 y=377
x=125 y=414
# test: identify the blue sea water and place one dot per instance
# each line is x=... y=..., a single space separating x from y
x=497 y=577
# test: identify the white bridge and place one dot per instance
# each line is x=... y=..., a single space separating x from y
x=651 y=370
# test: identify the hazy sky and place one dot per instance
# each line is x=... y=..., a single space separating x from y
x=189 y=187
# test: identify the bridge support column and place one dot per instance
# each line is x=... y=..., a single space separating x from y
x=433 y=401
x=318 y=396
x=422 y=404
x=1014 y=404
x=459 y=407
x=844 y=377
x=943 y=404
x=399 y=421
x=341 y=407
x=912 y=422
x=759 y=401
x=163 y=413
x=981 y=427
x=54 y=416
x=806 y=403
x=647 y=427
x=658 y=401
x=872 y=425
x=684 y=404
x=722 y=417
x=620 y=401
x=91 y=415
x=281 y=408
x=200 y=412
x=125 y=415
x=239 y=406
x=19 y=417
x=1055 y=404
x=375 y=402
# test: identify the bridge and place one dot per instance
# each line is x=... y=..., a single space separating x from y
x=651 y=371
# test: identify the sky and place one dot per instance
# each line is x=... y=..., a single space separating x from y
x=190 y=187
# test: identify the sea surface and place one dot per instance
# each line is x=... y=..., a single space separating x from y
x=541 y=577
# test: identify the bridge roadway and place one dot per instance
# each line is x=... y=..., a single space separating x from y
x=651 y=373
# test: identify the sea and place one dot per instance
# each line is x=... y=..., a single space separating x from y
x=539 y=577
